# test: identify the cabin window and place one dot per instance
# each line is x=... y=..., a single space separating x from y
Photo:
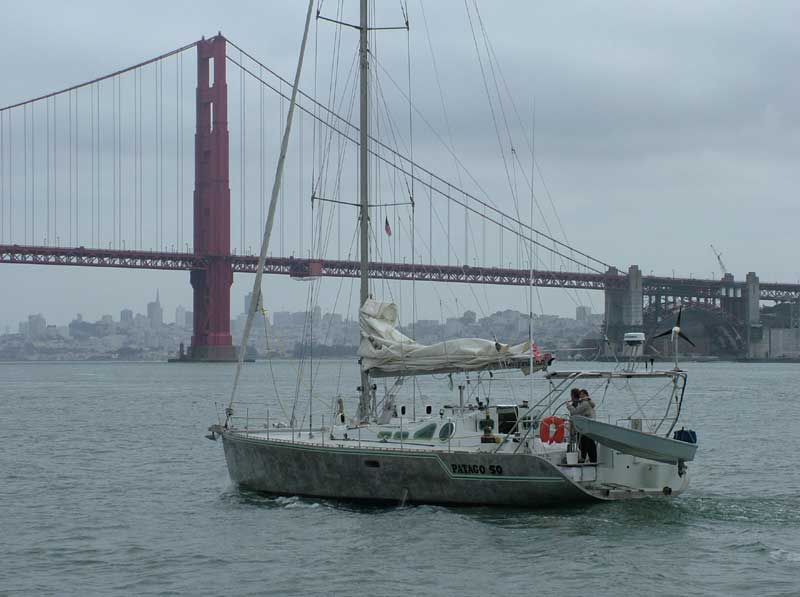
x=425 y=432
x=384 y=434
x=446 y=431
x=506 y=420
x=401 y=435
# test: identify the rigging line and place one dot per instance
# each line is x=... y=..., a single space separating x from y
x=271 y=214
x=341 y=145
x=333 y=79
x=313 y=122
x=336 y=299
x=342 y=152
x=350 y=83
x=491 y=108
x=489 y=206
x=309 y=315
x=519 y=121
x=424 y=170
x=300 y=183
x=393 y=130
x=261 y=179
x=494 y=74
x=492 y=57
x=242 y=167
x=502 y=111
x=412 y=235
x=511 y=230
x=439 y=267
x=282 y=192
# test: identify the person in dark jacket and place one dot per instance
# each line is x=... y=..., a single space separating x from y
x=585 y=408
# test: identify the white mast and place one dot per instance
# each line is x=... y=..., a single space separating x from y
x=363 y=405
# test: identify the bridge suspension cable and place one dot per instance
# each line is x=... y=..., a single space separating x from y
x=415 y=166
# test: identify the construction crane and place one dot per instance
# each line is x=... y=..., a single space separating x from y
x=719 y=260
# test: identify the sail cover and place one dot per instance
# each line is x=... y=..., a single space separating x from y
x=386 y=351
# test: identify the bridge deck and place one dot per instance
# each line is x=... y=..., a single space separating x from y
x=304 y=268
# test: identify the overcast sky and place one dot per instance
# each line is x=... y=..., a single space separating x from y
x=660 y=128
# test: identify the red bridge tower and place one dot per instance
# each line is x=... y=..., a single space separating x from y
x=211 y=339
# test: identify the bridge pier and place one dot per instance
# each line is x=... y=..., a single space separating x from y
x=624 y=309
x=211 y=339
x=757 y=346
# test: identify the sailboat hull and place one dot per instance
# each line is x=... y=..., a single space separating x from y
x=398 y=476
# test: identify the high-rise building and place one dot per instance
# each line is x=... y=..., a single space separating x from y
x=583 y=313
x=189 y=321
x=126 y=316
x=155 y=314
x=37 y=325
x=180 y=316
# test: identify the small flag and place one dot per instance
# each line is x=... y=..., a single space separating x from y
x=387 y=228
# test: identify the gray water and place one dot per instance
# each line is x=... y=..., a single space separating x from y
x=109 y=487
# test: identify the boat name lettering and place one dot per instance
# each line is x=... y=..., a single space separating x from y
x=477 y=469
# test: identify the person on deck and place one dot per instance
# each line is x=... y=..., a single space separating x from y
x=584 y=408
x=574 y=401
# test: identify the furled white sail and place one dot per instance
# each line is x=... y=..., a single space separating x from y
x=385 y=351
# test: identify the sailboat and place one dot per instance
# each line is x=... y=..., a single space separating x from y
x=506 y=453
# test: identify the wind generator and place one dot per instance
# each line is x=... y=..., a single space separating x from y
x=676 y=333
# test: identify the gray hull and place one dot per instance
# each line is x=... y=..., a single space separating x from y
x=285 y=468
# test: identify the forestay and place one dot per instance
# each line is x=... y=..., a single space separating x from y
x=386 y=351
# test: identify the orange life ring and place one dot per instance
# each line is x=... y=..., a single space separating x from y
x=544 y=430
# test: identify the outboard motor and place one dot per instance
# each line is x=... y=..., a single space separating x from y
x=685 y=435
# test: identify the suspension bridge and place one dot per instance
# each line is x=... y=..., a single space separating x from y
x=137 y=169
